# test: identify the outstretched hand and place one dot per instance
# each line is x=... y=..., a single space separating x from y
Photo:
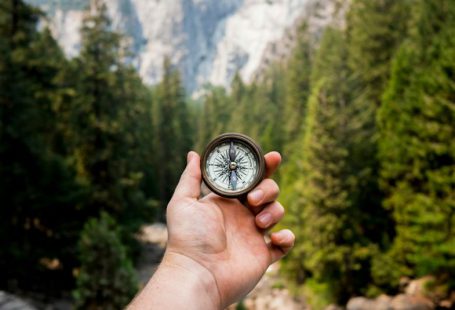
x=217 y=244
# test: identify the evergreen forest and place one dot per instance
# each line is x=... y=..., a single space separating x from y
x=363 y=115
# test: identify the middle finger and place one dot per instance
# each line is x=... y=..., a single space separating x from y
x=270 y=215
x=267 y=191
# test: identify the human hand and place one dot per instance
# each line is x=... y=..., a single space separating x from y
x=220 y=241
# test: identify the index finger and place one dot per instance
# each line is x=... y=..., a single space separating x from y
x=272 y=161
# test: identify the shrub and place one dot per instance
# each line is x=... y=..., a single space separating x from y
x=106 y=279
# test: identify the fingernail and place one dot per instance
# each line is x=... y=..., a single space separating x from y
x=282 y=235
x=189 y=156
x=265 y=219
x=256 y=196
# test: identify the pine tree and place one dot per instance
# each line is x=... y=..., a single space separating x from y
x=271 y=117
x=107 y=121
x=331 y=254
x=134 y=149
x=106 y=279
x=255 y=109
x=38 y=190
x=239 y=106
x=370 y=52
x=111 y=128
x=173 y=137
x=417 y=148
x=96 y=118
x=214 y=116
x=298 y=85
x=375 y=29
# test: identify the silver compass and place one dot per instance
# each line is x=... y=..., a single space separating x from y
x=232 y=165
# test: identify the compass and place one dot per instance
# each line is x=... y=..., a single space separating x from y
x=232 y=165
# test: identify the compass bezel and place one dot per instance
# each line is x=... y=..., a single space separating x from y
x=257 y=152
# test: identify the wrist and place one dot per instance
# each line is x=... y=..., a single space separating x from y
x=192 y=277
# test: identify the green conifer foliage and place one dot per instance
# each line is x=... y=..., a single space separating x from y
x=240 y=106
x=75 y=138
x=106 y=279
x=214 y=116
x=96 y=116
x=38 y=191
x=298 y=85
x=417 y=147
x=174 y=133
x=134 y=149
x=272 y=135
x=374 y=31
x=332 y=252
x=255 y=109
x=110 y=122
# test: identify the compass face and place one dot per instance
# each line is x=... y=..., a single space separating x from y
x=232 y=165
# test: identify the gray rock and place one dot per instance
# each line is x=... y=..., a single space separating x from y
x=417 y=287
x=333 y=307
x=407 y=302
x=361 y=303
x=11 y=302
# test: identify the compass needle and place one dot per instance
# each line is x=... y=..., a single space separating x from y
x=232 y=153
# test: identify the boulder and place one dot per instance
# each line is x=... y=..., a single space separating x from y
x=361 y=303
x=333 y=307
x=403 y=283
x=154 y=233
x=408 y=302
x=11 y=302
x=417 y=287
x=446 y=304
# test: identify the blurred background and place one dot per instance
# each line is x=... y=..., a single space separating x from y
x=101 y=100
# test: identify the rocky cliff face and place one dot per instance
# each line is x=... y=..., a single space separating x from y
x=209 y=40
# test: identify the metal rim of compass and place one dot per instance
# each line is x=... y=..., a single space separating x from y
x=257 y=152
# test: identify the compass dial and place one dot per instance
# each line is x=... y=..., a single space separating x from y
x=232 y=165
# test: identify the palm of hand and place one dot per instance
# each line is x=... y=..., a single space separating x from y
x=221 y=235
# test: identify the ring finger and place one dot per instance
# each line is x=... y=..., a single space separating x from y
x=270 y=215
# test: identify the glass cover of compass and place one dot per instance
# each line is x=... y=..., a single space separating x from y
x=232 y=165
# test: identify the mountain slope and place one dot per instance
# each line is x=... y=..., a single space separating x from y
x=209 y=40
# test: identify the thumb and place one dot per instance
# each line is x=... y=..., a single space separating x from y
x=190 y=182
